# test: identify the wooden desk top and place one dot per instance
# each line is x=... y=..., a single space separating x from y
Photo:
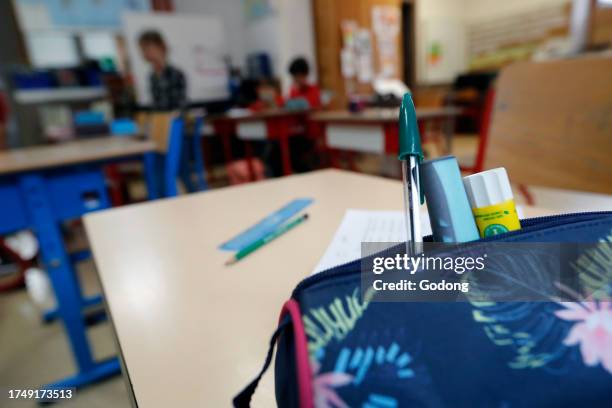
x=80 y=151
x=375 y=116
x=192 y=331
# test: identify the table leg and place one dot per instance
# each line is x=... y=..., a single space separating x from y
x=87 y=302
x=334 y=158
x=248 y=156
x=185 y=168
x=198 y=162
x=350 y=157
x=64 y=282
x=151 y=175
x=285 y=155
x=227 y=147
x=114 y=176
x=449 y=128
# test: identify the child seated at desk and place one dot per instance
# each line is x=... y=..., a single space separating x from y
x=268 y=96
x=301 y=88
x=302 y=95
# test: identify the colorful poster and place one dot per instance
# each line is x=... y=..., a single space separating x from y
x=386 y=24
x=347 y=63
x=363 y=49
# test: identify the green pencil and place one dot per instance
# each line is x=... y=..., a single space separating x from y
x=263 y=241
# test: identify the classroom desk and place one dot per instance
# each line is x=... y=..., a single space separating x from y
x=376 y=130
x=277 y=124
x=40 y=187
x=73 y=152
x=193 y=332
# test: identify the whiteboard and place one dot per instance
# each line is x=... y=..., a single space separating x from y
x=195 y=45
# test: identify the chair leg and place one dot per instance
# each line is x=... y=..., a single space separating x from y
x=185 y=171
x=524 y=190
x=198 y=163
x=115 y=179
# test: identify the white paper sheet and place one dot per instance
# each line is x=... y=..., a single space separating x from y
x=359 y=226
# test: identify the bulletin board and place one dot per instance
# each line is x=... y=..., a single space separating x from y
x=196 y=46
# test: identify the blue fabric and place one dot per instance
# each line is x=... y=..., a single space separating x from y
x=514 y=354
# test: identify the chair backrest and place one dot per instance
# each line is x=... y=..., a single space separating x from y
x=166 y=130
x=178 y=139
x=156 y=125
x=552 y=124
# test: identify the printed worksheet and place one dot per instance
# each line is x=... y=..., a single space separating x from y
x=359 y=226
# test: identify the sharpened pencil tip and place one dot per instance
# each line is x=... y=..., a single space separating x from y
x=230 y=261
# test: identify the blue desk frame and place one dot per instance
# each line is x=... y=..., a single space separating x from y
x=41 y=200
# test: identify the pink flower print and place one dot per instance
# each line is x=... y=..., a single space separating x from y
x=324 y=384
x=593 y=330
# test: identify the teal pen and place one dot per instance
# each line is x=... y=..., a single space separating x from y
x=411 y=156
x=263 y=241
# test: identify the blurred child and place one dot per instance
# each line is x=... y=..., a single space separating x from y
x=167 y=83
x=268 y=96
x=301 y=88
x=303 y=95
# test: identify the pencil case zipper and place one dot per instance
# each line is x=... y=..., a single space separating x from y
x=528 y=225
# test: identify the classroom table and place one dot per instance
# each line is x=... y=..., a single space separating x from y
x=376 y=130
x=275 y=124
x=42 y=186
x=192 y=331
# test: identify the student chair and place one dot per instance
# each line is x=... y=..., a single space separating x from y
x=192 y=162
x=180 y=150
x=551 y=124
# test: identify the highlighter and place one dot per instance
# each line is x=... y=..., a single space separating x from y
x=492 y=202
x=449 y=210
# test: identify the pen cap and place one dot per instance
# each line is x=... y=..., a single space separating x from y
x=488 y=187
x=449 y=210
x=409 y=136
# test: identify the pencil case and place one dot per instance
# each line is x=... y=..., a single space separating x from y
x=336 y=350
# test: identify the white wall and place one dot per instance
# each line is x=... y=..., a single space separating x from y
x=230 y=12
x=446 y=19
x=297 y=37
x=263 y=35
x=443 y=8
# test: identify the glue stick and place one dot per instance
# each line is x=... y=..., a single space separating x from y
x=492 y=202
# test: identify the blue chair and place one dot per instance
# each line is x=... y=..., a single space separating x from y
x=192 y=162
x=180 y=154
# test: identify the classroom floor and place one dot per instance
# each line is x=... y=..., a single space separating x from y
x=32 y=353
